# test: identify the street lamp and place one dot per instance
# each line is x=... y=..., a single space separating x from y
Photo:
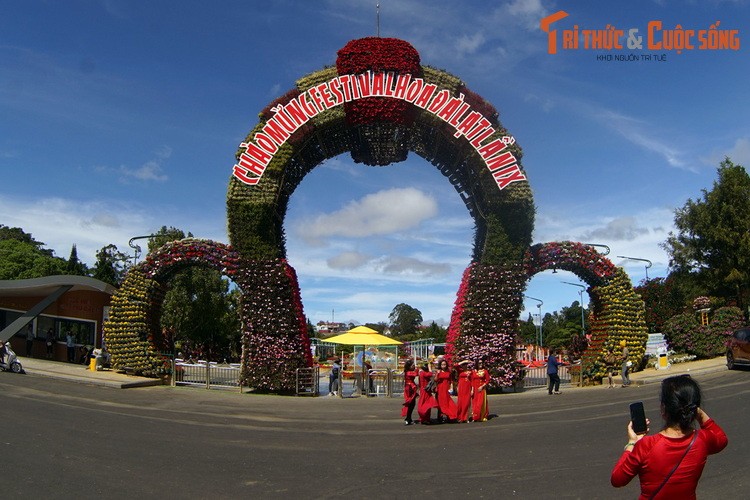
x=540 y=338
x=137 y=247
x=648 y=262
x=599 y=245
x=580 y=292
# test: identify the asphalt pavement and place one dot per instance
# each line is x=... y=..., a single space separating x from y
x=65 y=439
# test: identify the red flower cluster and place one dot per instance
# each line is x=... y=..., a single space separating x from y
x=478 y=103
x=177 y=254
x=377 y=55
x=483 y=327
x=583 y=260
x=274 y=337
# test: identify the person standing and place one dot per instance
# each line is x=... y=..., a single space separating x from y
x=554 y=378
x=410 y=391
x=447 y=409
x=29 y=340
x=70 y=343
x=333 y=378
x=671 y=462
x=626 y=363
x=480 y=378
x=426 y=400
x=50 y=341
x=609 y=362
x=464 y=391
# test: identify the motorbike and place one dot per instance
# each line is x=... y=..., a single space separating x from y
x=9 y=360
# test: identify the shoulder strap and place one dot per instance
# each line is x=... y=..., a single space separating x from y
x=695 y=435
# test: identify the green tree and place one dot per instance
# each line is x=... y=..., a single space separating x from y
x=164 y=236
x=18 y=234
x=663 y=299
x=200 y=311
x=436 y=332
x=405 y=320
x=111 y=265
x=528 y=332
x=713 y=235
x=560 y=328
x=24 y=260
x=379 y=327
x=200 y=308
x=74 y=266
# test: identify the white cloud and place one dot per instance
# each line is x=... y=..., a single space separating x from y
x=638 y=132
x=151 y=170
x=348 y=260
x=92 y=224
x=740 y=153
x=400 y=265
x=381 y=213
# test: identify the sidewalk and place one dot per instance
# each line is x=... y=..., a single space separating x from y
x=109 y=378
x=81 y=374
x=695 y=368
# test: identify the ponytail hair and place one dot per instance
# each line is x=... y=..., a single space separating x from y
x=680 y=400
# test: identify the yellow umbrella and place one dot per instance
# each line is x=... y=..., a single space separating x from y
x=362 y=335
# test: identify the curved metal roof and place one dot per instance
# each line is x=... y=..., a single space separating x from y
x=44 y=286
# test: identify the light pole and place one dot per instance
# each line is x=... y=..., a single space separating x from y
x=648 y=262
x=599 y=245
x=580 y=292
x=540 y=338
x=136 y=247
x=583 y=326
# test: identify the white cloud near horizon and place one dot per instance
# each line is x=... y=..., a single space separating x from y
x=61 y=223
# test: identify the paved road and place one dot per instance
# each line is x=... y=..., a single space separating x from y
x=65 y=440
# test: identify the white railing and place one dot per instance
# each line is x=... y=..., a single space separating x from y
x=207 y=374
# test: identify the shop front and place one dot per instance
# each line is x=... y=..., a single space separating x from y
x=38 y=315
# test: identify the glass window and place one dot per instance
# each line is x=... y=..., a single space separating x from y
x=44 y=323
x=83 y=331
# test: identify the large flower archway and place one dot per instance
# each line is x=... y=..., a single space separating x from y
x=377 y=103
x=618 y=313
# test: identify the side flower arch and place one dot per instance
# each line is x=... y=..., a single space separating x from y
x=618 y=313
x=132 y=332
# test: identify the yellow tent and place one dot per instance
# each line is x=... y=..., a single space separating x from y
x=362 y=335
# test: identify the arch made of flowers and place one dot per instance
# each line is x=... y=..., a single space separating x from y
x=475 y=153
x=618 y=312
x=132 y=333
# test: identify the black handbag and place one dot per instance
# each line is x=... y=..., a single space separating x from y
x=431 y=385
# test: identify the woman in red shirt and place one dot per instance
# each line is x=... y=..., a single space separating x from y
x=426 y=400
x=410 y=391
x=480 y=377
x=679 y=449
x=446 y=406
x=464 y=391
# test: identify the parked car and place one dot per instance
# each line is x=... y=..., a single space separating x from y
x=738 y=351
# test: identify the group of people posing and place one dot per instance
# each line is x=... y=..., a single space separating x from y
x=427 y=389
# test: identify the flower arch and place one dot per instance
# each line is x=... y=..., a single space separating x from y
x=378 y=103
x=132 y=332
x=436 y=117
x=618 y=313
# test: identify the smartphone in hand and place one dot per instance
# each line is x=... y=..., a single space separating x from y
x=638 y=417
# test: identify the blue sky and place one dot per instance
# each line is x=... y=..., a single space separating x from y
x=119 y=117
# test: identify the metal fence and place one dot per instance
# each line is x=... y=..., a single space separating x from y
x=207 y=374
x=307 y=381
x=537 y=377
